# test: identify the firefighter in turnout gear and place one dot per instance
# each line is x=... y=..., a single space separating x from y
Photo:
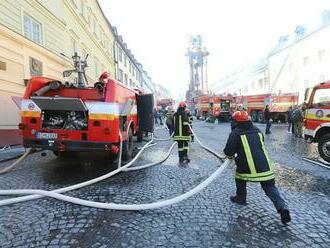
x=182 y=132
x=246 y=143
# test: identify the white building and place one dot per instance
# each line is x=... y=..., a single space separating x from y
x=127 y=69
x=299 y=61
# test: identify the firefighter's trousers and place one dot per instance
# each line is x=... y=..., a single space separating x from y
x=183 y=148
x=268 y=187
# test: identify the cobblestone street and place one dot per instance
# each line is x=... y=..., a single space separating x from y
x=207 y=219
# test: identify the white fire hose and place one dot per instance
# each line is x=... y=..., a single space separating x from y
x=12 y=166
x=56 y=193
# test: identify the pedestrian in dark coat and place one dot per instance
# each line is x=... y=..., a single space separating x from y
x=253 y=164
x=267 y=116
x=290 y=126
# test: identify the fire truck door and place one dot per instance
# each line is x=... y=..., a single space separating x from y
x=145 y=105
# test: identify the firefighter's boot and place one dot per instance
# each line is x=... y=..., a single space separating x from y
x=285 y=216
x=237 y=200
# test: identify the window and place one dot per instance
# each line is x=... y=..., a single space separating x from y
x=321 y=55
x=133 y=72
x=125 y=61
x=130 y=82
x=120 y=54
x=120 y=75
x=126 y=79
x=73 y=46
x=130 y=66
x=305 y=61
x=260 y=84
x=321 y=97
x=97 y=73
x=94 y=27
x=32 y=29
x=82 y=8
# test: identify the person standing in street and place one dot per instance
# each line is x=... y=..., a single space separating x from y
x=182 y=132
x=298 y=121
x=290 y=126
x=169 y=121
x=156 y=116
x=267 y=116
x=252 y=163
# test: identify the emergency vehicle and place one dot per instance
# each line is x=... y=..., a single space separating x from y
x=202 y=108
x=317 y=118
x=164 y=103
x=220 y=107
x=68 y=117
x=278 y=105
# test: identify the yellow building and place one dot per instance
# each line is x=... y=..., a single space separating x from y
x=38 y=37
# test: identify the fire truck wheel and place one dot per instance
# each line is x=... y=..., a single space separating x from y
x=324 y=147
x=128 y=146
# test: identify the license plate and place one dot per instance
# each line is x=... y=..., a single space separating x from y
x=46 y=135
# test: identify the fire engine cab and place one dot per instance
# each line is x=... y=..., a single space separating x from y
x=68 y=117
x=317 y=119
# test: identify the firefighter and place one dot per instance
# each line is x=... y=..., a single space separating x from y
x=253 y=164
x=182 y=132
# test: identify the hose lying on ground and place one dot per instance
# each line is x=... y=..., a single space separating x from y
x=153 y=163
x=79 y=185
x=55 y=194
x=12 y=166
x=115 y=206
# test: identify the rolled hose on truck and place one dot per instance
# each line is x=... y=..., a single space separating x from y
x=56 y=193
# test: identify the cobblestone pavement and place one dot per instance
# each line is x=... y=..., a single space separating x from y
x=207 y=219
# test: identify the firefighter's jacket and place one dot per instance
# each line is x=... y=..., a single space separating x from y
x=181 y=127
x=252 y=160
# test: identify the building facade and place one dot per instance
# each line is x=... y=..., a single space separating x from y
x=298 y=62
x=127 y=69
x=39 y=38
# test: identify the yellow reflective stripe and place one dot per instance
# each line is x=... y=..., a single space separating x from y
x=30 y=114
x=248 y=154
x=265 y=152
x=108 y=117
x=180 y=125
x=261 y=174
x=255 y=179
x=186 y=123
x=185 y=138
x=180 y=149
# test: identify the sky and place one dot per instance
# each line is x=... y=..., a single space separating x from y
x=235 y=32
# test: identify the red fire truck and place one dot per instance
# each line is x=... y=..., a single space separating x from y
x=278 y=105
x=202 y=108
x=71 y=117
x=317 y=119
x=164 y=103
x=220 y=107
